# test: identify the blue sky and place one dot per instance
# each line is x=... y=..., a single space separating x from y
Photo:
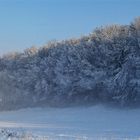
x=24 y=23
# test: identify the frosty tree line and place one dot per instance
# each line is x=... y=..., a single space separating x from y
x=103 y=67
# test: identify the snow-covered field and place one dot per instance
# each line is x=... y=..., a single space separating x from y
x=81 y=123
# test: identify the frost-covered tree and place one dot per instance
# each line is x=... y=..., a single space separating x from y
x=101 y=67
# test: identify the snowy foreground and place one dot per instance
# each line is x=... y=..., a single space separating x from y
x=91 y=123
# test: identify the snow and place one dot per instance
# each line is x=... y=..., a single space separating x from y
x=81 y=123
x=103 y=67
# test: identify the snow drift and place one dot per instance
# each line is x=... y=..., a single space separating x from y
x=78 y=123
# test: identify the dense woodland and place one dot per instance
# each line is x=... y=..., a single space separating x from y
x=102 y=67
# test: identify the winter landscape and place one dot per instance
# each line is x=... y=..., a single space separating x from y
x=81 y=89
x=84 y=88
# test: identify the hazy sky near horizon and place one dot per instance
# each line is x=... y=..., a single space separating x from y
x=24 y=23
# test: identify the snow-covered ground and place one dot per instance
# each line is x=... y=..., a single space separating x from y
x=81 y=123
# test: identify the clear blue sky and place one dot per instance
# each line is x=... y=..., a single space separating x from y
x=24 y=23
